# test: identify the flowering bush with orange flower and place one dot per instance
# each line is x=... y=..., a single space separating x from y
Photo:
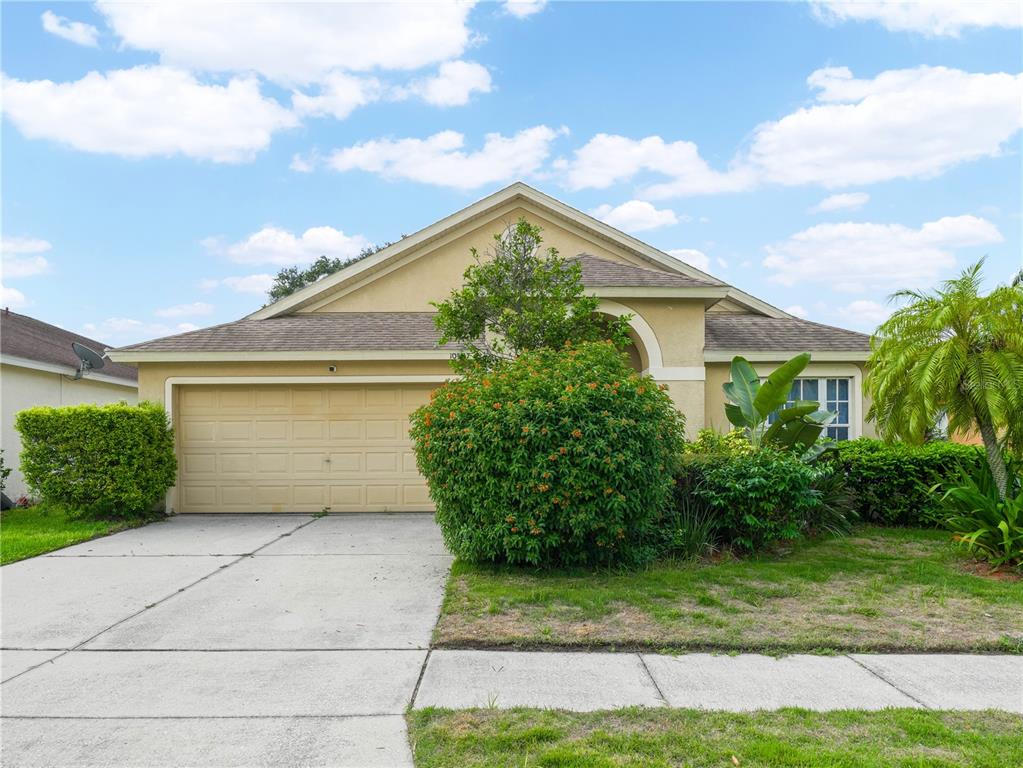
x=558 y=457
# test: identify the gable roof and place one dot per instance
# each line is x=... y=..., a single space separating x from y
x=740 y=332
x=28 y=339
x=309 y=332
x=413 y=335
x=601 y=273
x=518 y=191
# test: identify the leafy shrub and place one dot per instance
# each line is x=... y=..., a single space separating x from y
x=760 y=498
x=557 y=457
x=106 y=461
x=5 y=471
x=892 y=481
x=981 y=521
x=709 y=440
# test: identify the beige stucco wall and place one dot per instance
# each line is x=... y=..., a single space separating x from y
x=430 y=273
x=717 y=374
x=22 y=388
x=153 y=376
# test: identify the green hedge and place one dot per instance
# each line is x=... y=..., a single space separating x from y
x=110 y=460
x=556 y=458
x=891 y=482
x=756 y=498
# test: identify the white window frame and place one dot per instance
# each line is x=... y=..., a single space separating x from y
x=823 y=371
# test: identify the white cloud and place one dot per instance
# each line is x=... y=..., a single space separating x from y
x=453 y=85
x=846 y=201
x=19 y=257
x=301 y=164
x=864 y=313
x=797 y=309
x=522 y=9
x=294 y=43
x=148 y=111
x=693 y=257
x=608 y=159
x=125 y=330
x=194 y=309
x=340 y=94
x=635 y=216
x=273 y=245
x=903 y=123
x=238 y=283
x=907 y=123
x=12 y=245
x=75 y=31
x=934 y=17
x=442 y=160
x=855 y=257
x=249 y=283
x=11 y=297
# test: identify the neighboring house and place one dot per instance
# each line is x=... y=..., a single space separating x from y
x=37 y=366
x=304 y=404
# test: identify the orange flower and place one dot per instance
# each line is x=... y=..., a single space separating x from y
x=562 y=450
x=577 y=433
x=515 y=529
x=592 y=385
x=525 y=430
x=543 y=487
x=569 y=388
x=497 y=406
x=553 y=457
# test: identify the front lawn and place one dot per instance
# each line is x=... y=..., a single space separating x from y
x=880 y=589
x=649 y=738
x=44 y=528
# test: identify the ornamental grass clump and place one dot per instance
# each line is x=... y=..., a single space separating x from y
x=558 y=457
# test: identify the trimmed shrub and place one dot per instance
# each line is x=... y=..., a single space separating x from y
x=101 y=460
x=758 y=498
x=892 y=482
x=559 y=457
x=733 y=443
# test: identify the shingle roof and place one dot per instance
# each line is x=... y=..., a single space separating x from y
x=599 y=273
x=738 y=331
x=328 y=331
x=30 y=339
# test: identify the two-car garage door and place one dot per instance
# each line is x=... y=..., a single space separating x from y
x=298 y=448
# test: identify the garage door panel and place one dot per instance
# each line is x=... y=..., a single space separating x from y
x=270 y=431
x=281 y=448
x=235 y=463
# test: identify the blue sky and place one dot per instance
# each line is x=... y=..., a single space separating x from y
x=160 y=162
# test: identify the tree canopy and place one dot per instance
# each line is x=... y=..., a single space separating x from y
x=957 y=352
x=291 y=279
x=519 y=297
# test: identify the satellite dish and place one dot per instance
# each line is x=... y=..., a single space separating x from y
x=90 y=359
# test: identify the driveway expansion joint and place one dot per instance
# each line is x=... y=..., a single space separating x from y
x=653 y=679
x=886 y=681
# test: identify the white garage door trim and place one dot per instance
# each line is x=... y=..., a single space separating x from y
x=173 y=381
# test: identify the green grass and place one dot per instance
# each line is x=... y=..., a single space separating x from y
x=878 y=589
x=651 y=738
x=44 y=528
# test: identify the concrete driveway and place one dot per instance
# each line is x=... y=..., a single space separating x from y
x=235 y=640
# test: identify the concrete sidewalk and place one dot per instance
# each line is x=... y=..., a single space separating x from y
x=591 y=681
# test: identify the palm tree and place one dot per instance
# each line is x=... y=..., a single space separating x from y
x=957 y=351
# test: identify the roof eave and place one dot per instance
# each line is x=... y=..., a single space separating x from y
x=185 y=356
x=761 y=355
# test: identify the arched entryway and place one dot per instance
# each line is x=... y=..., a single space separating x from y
x=644 y=351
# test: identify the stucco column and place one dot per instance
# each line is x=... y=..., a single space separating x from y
x=688 y=396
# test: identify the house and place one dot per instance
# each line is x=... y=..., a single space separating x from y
x=303 y=404
x=37 y=367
